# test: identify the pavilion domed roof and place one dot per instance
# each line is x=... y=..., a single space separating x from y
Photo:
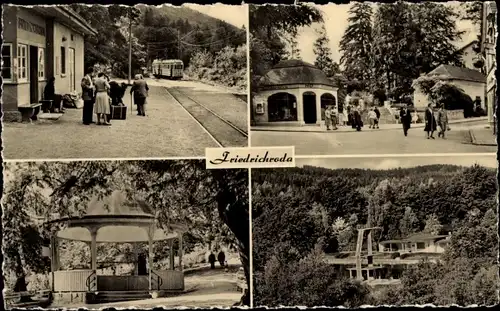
x=117 y=204
x=294 y=71
x=117 y=219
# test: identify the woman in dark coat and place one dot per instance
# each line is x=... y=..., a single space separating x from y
x=430 y=122
x=50 y=89
x=357 y=122
x=212 y=260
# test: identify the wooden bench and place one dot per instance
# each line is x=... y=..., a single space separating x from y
x=29 y=113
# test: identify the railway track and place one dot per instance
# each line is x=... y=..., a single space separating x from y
x=221 y=130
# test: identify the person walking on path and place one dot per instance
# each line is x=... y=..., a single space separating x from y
x=140 y=90
x=221 y=257
x=211 y=260
x=430 y=122
x=88 y=96
x=405 y=118
x=357 y=123
x=333 y=116
x=377 y=112
x=442 y=121
x=328 y=117
x=102 y=108
x=372 y=116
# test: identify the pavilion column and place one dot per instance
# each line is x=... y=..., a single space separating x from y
x=300 y=107
x=337 y=104
x=180 y=251
x=150 y=257
x=136 y=258
x=54 y=258
x=93 y=248
x=172 y=263
x=318 y=109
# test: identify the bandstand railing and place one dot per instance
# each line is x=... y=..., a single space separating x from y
x=156 y=280
x=91 y=282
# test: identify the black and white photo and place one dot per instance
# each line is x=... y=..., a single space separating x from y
x=93 y=81
x=366 y=78
x=376 y=231
x=124 y=234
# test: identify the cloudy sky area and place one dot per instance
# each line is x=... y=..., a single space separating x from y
x=335 y=17
x=400 y=162
x=236 y=15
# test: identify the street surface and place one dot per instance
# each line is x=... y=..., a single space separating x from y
x=168 y=130
x=383 y=141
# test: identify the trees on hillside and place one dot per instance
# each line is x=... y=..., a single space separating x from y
x=110 y=46
x=177 y=190
x=327 y=206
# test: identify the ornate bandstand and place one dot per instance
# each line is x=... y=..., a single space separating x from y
x=117 y=220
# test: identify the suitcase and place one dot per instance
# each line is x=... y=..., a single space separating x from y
x=118 y=112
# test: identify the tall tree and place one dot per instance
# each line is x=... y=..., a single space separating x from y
x=323 y=53
x=411 y=39
x=292 y=46
x=356 y=43
x=269 y=26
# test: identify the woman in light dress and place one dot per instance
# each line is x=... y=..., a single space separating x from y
x=102 y=108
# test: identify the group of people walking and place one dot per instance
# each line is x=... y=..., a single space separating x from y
x=221 y=258
x=351 y=116
x=95 y=95
x=434 y=121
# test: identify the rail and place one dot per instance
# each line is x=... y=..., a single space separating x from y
x=242 y=132
x=91 y=281
x=157 y=279
x=177 y=95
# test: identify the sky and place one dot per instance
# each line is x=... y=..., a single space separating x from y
x=398 y=162
x=335 y=17
x=236 y=15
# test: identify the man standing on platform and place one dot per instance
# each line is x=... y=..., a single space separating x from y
x=140 y=90
x=88 y=96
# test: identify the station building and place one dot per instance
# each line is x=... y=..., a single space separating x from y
x=294 y=93
x=40 y=42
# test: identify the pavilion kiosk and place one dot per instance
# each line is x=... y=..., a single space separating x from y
x=116 y=220
x=294 y=93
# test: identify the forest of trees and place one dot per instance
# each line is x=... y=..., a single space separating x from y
x=214 y=204
x=165 y=33
x=383 y=49
x=299 y=214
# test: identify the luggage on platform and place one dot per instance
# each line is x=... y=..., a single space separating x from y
x=118 y=112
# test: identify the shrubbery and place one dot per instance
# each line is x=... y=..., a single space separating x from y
x=306 y=282
x=441 y=92
x=227 y=67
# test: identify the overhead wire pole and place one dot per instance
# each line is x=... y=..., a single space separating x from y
x=178 y=44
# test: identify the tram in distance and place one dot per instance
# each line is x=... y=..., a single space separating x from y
x=169 y=69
